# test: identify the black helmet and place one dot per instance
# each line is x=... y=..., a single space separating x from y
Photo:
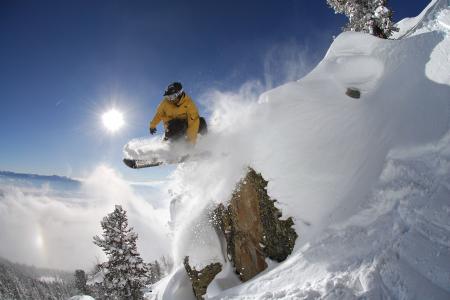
x=173 y=88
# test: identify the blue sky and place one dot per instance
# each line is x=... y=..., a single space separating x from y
x=63 y=63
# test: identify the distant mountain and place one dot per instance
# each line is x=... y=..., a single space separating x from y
x=32 y=177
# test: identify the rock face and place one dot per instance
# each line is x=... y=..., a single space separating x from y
x=252 y=227
x=253 y=231
x=201 y=279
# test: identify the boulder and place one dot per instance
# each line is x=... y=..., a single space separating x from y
x=201 y=279
x=252 y=227
x=353 y=93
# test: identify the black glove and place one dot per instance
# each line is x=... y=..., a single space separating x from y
x=152 y=131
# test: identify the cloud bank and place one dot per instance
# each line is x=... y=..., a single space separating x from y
x=47 y=228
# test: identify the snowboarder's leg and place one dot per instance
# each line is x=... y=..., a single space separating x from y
x=176 y=129
x=203 y=128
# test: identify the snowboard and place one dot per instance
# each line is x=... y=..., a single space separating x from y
x=152 y=152
x=146 y=163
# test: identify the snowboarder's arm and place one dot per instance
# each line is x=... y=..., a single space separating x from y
x=193 y=123
x=158 y=116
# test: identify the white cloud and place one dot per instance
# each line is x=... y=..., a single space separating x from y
x=45 y=228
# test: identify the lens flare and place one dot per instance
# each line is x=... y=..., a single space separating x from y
x=113 y=120
x=39 y=240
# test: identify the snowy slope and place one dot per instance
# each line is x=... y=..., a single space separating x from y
x=367 y=180
x=410 y=26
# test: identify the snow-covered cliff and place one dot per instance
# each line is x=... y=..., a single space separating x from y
x=367 y=180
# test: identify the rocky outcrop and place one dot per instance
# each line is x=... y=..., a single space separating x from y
x=201 y=279
x=252 y=227
x=253 y=231
x=353 y=93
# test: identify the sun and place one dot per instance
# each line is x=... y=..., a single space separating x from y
x=113 y=120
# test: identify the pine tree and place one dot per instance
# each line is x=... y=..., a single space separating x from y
x=80 y=282
x=157 y=271
x=370 y=16
x=154 y=272
x=166 y=265
x=125 y=271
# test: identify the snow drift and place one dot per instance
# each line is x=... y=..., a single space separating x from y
x=366 y=180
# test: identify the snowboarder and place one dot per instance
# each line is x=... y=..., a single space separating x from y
x=179 y=114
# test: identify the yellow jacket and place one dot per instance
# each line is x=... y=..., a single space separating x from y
x=184 y=109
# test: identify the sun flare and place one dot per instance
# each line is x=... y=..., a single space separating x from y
x=113 y=120
x=39 y=240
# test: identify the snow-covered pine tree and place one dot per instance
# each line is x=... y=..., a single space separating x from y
x=154 y=272
x=166 y=265
x=370 y=16
x=125 y=271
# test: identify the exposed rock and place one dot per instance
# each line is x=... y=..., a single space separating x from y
x=252 y=227
x=353 y=93
x=279 y=236
x=201 y=279
x=243 y=230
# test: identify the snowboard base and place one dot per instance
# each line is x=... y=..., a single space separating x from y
x=144 y=163
x=147 y=163
x=139 y=163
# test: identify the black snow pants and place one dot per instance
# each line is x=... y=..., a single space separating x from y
x=177 y=128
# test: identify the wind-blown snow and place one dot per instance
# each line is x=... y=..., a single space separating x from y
x=366 y=180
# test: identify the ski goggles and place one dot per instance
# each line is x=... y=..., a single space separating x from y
x=174 y=96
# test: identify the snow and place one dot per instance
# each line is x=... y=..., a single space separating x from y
x=138 y=148
x=155 y=150
x=50 y=279
x=444 y=19
x=176 y=286
x=366 y=180
x=81 y=297
x=226 y=279
x=410 y=26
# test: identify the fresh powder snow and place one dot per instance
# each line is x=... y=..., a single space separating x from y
x=366 y=180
